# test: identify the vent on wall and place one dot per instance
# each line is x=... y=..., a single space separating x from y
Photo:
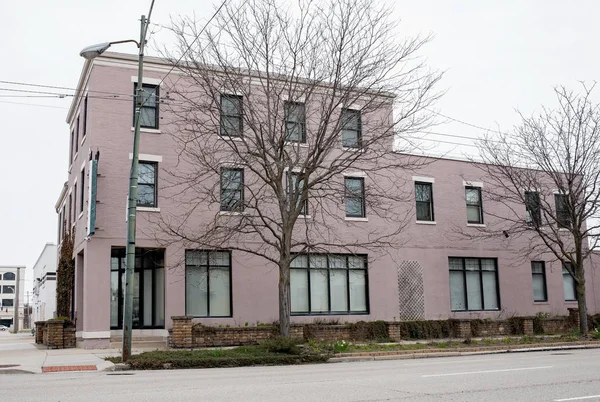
x=410 y=291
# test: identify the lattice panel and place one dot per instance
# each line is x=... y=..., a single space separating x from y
x=410 y=290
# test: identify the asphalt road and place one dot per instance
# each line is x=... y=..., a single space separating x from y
x=539 y=376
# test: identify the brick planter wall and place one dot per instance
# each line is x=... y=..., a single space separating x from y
x=39 y=331
x=461 y=328
x=69 y=338
x=556 y=325
x=328 y=332
x=53 y=334
x=181 y=334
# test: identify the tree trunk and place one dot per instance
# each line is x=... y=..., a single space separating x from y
x=582 y=305
x=284 y=301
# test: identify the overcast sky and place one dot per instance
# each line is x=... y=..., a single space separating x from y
x=498 y=56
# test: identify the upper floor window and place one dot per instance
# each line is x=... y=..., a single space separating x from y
x=538 y=273
x=149 y=109
x=82 y=191
x=474 y=205
x=295 y=122
x=232 y=189
x=424 y=197
x=77 y=135
x=208 y=283
x=147 y=177
x=355 y=197
x=563 y=219
x=351 y=128
x=569 y=284
x=231 y=122
x=9 y=276
x=72 y=147
x=85 y=107
x=74 y=211
x=7 y=303
x=8 y=289
x=532 y=204
x=294 y=186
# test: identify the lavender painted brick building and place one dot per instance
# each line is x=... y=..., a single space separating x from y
x=437 y=272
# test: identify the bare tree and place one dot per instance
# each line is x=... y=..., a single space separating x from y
x=297 y=94
x=545 y=176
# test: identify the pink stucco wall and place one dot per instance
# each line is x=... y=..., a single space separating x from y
x=254 y=280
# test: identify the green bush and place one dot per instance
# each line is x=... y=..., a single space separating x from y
x=341 y=346
x=425 y=329
x=281 y=344
x=369 y=331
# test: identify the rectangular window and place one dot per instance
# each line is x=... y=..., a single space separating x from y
x=294 y=187
x=355 y=197
x=474 y=284
x=351 y=128
x=329 y=284
x=72 y=147
x=231 y=122
x=8 y=289
x=532 y=204
x=563 y=218
x=85 y=107
x=149 y=109
x=148 y=289
x=70 y=210
x=147 y=178
x=474 y=205
x=7 y=302
x=295 y=122
x=77 y=135
x=82 y=190
x=75 y=202
x=569 y=285
x=232 y=189
x=424 y=197
x=208 y=283
x=538 y=273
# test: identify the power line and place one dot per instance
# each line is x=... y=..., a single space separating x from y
x=59 y=87
x=464 y=122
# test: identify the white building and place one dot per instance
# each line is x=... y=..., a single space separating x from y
x=44 y=284
x=12 y=291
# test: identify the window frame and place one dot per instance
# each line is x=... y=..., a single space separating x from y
x=223 y=116
x=77 y=135
x=302 y=123
x=363 y=213
x=357 y=129
x=74 y=211
x=543 y=275
x=464 y=276
x=155 y=106
x=288 y=184
x=13 y=278
x=4 y=287
x=565 y=271
x=72 y=147
x=430 y=202
x=240 y=207
x=479 y=205
x=154 y=185
x=533 y=208
x=329 y=269
x=82 y=190
x=563 y=219
x=85 y=107
x=10 y=300
x=208 y=252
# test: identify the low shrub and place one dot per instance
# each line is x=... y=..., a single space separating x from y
x=281 y=344
x=341 y=346
x=369 y=331
x=433 y=329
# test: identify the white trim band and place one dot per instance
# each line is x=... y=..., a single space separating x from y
x=423 y=179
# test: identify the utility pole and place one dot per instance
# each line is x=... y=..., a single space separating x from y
x=17 y=302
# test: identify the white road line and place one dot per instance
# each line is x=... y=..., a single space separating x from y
x=486 y=371
x=579 y=398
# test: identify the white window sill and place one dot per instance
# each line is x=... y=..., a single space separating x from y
x=541 y=303
x=346 y=149
x=564 y=230
x=83 y=139
x=80 y=215
x=296 y=144
x=147 y=209
x=476 y=225
x=304 y=217
x=147 y=130
x=426 y=222
x=356 y=219
x=231 y=213
x=229 y=138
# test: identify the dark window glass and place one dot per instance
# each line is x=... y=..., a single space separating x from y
x=82 y=191
x=424 y=197
x=147 y=175
x=355 y=196
x=72 y=147
x=538 y=273
x=231 y=116
x=9 y=276
x=149 y=109
x=563 y=218
x=232 y=189
x=85 y=107
x=295 y=122
x=8 y=302
x=474 y=284
x=569 y=284
x=8 y=289
x=294 y=187
x=70 y=211
x=208 y=283
x=474 y=205
x=77 y=135
x=532 y=204
x=351 y=128
x=75 y=202
x=148 y=288
x=329 y=284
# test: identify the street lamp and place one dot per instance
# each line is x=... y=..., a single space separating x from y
x=89 y=53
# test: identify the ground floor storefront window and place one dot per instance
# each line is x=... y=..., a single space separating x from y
x=148 y=289
x=329 y=284
x=474 y=284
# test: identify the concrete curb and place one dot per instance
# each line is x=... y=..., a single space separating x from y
x=106 y=366
x=421 y=355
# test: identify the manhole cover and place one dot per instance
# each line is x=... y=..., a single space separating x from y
x=9 y=365
x=561 y=354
